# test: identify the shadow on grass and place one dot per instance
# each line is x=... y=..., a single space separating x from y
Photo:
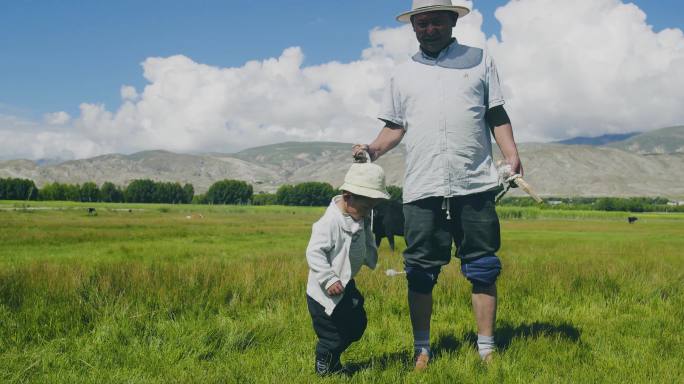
x=448 y=343
x=379 y=362
x=506 y=333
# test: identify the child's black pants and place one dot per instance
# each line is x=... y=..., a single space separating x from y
x=345 y=326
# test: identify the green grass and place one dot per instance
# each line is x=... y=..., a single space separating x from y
x=150 y=296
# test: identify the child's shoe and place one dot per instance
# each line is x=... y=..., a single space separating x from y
x=327 y=364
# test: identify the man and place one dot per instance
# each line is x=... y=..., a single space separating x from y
x=445 y=103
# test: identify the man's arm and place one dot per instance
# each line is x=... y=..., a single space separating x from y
x=389 y=137
x=498 y=120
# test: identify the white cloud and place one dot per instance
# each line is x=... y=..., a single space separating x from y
x=57 y=118
x=129 y=93
x=585 y=67
x=21 y=138
x=189 y=106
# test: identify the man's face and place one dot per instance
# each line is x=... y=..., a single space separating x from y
x=433 y=29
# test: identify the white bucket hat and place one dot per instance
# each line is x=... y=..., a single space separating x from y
x=422 y=6
x=366 y=179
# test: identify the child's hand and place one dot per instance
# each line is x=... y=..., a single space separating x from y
x=336 y=289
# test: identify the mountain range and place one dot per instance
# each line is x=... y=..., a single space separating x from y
x=646 y=164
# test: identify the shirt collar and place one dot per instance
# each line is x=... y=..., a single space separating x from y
x=421 y=56
x=455 y=56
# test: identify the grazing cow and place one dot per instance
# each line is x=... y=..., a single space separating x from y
x=388 y=221
x=632 y=219
x=92 y=212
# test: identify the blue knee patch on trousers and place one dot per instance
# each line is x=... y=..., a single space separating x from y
x=482 y=271
x=422 y=280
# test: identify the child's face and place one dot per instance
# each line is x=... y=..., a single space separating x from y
x=359 y=206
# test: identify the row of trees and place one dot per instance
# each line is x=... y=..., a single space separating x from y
x=86 y=192
x=149 y=191
x=633 y=204
x=18 y=189
x=309 y=194
x=138 y=191
x=302 y=194
x=623 y=204
x=227 y=192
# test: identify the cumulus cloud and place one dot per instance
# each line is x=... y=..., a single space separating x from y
x=57 y=118
x=26 y=139
x=129 y=93
x=190 y=106
x=585 y=67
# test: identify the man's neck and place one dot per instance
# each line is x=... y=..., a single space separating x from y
x=434 y=55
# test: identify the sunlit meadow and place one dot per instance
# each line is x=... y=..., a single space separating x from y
x=166 y=294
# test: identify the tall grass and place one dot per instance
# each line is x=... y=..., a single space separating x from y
x=154 y=296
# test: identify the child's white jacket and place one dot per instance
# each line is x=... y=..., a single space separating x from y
x=328 y=255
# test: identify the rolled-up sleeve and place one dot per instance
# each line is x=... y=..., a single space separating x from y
x=318 y=255
x=493 y=84
x=391 y=107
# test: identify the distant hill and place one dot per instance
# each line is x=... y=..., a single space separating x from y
x=553 y=169
x=564 y=170
x=598 y=140
x=201 y=171
x=297 y=162
x=666 y=140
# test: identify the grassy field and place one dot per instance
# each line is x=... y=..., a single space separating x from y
x=152 y=296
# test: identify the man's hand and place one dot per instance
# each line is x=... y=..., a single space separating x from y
x=503 y=134
x=358 y=152
x=387 y=139
x=516 y=165
x=336 y=289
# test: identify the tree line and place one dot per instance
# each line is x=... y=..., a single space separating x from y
x=608 y=204
x=302 y=194
x=137 y=191
x=149 y=191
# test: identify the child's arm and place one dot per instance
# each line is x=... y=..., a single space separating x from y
x=320 y=245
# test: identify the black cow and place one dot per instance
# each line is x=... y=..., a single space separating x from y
x=388 y=221
x=632 y=219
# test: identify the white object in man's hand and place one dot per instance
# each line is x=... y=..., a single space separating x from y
x=392 y=272
x=511 y=179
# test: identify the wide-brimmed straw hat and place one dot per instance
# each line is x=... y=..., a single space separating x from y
x=366 y=179
x=422 y=6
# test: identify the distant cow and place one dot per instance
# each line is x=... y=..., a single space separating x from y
x=632 y=219
x=388 y=221
x=92 y=212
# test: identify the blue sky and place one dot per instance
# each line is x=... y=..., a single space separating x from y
x=81 y=78
x=55 y=55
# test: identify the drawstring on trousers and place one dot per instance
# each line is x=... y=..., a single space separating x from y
x=446 y=206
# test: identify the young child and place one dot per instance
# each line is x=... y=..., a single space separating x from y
x=341 y=242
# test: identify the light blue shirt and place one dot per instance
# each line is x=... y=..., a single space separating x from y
x=441 y=103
